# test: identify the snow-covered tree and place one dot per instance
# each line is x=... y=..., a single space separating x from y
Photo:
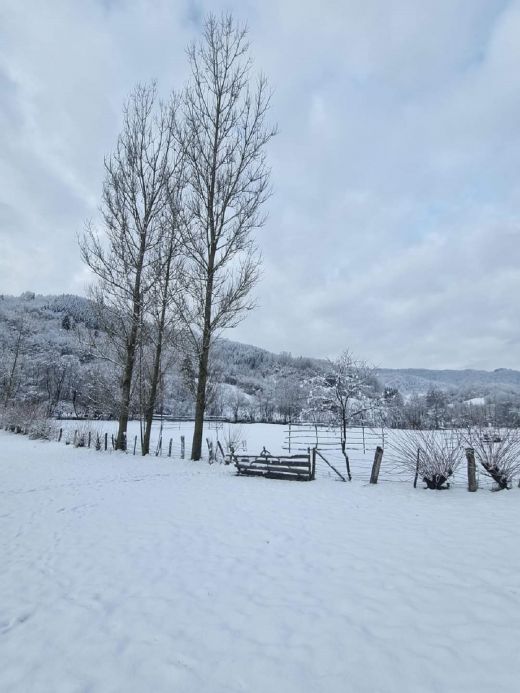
x=344 y=395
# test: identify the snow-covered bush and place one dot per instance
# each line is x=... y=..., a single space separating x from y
x=43 y=428
x=498 y=452
x=30 y=419
x=433 y=455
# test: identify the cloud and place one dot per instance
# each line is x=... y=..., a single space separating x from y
x=394 y=225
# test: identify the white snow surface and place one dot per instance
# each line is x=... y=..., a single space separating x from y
x=123 y=574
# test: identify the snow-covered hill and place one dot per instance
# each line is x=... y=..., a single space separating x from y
x=44 y=351
x=420 y=380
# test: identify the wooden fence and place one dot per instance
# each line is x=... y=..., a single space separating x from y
x=298 y=437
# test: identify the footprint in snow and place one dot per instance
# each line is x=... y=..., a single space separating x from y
x=6 y=626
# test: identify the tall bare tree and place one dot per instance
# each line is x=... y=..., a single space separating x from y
x=138 y=176
x=162 y=315
x=224 y=138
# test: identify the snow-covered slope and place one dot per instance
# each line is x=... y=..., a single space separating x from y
x=53 y=353
x=123 y=574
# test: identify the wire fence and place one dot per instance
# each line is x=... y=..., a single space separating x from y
x=171 y=440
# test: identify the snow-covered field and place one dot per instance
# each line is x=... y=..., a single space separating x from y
x=123 y=574
x=252 y=438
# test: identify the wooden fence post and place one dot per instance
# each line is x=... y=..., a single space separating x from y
x=472 y=470
x=89 y=437
x=182 y=447
x=60 y=434
x=106 y=442
x=74 y=440
x=377 y=465
x=313 y=463
x=417 y=468
x=363 y=430
x=170 y=448
x=135 y=443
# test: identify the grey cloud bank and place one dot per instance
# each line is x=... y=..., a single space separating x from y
x=394 y=228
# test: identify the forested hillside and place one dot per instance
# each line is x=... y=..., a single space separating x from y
x=53 y=352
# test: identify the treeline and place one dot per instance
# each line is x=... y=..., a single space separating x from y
x=47 y=361
x=454 y=408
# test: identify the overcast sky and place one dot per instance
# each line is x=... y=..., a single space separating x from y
x=394 y=228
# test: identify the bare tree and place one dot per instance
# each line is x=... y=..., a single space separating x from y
x=15 y=354
x=135 y=195
x=56 y=374
x=236 y=402
x=162 y=313
x=224 y=137
x=289 y=398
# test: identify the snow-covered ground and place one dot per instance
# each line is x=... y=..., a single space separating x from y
x=123 y=574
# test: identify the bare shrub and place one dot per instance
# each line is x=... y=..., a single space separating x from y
x=79 y=437
x=30 y=419
x=433 y=455
x=498 y=452
x=232 y=438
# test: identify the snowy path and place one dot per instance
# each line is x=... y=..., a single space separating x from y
x=122 y=575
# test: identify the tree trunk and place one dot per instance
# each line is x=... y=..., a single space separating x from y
x=344 y=444
x=126 y=386
x=150 y=407
x=200 y=404
x=126 y=383
x=151 y=400
x=158 y=356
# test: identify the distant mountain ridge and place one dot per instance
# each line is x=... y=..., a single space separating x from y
x=406 y=380
x=420 y=380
